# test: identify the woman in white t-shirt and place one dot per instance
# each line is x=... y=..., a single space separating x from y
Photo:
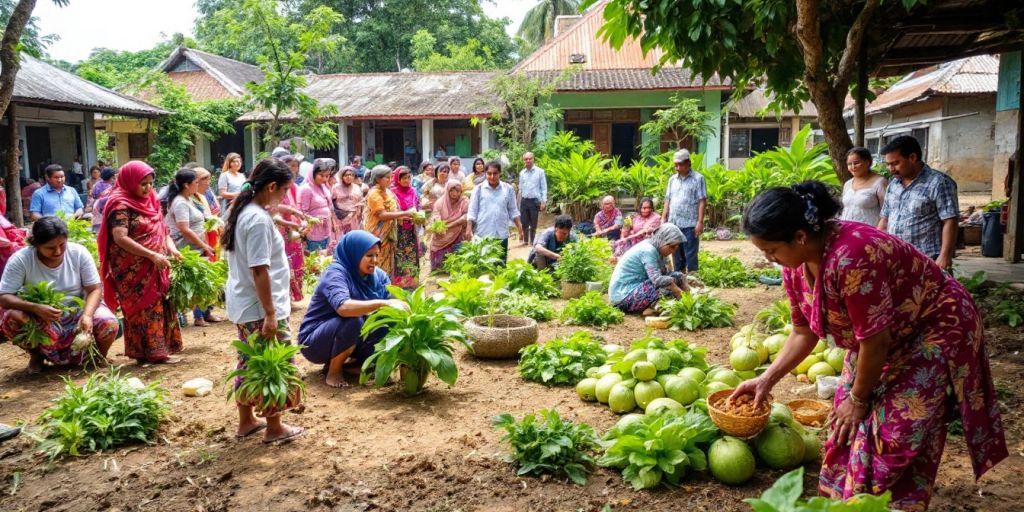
x=230 y=182
x=71 y=270
x=864 y=193
x=257 y=291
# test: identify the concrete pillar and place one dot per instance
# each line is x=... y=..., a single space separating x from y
x=485 y=137
x=427 y=138
x=23 y=137
x=88 y=141
x=202 y=145
x=711 y=146
x=342 y=143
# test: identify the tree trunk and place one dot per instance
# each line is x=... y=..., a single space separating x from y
x=9 y=49
x=13 y=179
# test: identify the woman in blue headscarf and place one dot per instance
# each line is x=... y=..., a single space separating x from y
x=350 y=288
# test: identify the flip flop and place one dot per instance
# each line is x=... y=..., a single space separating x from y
x=298 y=432
x=258 y=428
x=8 y=432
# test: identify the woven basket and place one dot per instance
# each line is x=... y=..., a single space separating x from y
x=573 y=290
x=736 y=426
x=810 y=412
x=500 y=336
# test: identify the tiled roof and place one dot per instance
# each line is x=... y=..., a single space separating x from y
x=230 y=73
x=455 y=95
x=752 y=104
x=971 y=75
x=633 y=79
x=43 y=85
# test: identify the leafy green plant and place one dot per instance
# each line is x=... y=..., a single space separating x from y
x=196 y=282
x=975 y=283
x=680 y=352
x=475 y=258
x=313 y=266
x=563 y=360
x=438 y=226
x=32 y=335
x=1011 y=311
x=658 y=447
x=584 y=260
x=786 y=494
x=522 y=277
x=642 y=179
x=798 y=162
x=685 y=118
x=522 y=304
x=774 y=318
x=268 y=374
x=691 y=312
x=80 y=232
x=723 y=271
x=579 y=181
x=418 y=341
x=549 y=445
x=466 y=295
x=104 y=412
x=591 y=309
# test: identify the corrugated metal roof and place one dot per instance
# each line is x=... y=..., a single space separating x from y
x=633 y=80
x=230 y=73
x=972 y=75
x=41 y=84
x=752 y=104
x=582 y=39
x=455 y=95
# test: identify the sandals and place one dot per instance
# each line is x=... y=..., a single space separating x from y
x=258 y=428
x=295 y=433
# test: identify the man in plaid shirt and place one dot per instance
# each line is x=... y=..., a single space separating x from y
x=921 y=205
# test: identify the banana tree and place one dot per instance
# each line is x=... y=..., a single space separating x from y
x=579 y=182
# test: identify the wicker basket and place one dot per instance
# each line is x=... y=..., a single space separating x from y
x=573 y=290
x=809 y=412
x=736 y=426
x=500 y=336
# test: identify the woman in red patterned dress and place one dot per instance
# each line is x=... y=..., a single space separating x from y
x=917 y=355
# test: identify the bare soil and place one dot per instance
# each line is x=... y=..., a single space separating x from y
x=372 y=449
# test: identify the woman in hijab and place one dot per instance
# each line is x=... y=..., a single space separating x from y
x=452 y=209
x=407 y=239
x=352 y=287
x=639 y=280
x=134 y=247
x=348 y=201
x=382 y=212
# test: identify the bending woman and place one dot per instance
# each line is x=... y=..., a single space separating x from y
x=71 y=270
x=351 y=288
x=639 y=280
x=917 y=355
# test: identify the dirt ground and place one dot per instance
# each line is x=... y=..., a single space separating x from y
x=369 y=449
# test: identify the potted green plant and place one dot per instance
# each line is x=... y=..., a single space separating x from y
x=582 y=262
x=419 y=341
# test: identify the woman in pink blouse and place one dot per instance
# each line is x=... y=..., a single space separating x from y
x=349 y=201
x=639 y=228
x=917 y=355
x=315 y=202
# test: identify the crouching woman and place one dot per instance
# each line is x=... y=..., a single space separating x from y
x=639 y=280
x=72 y=271
x=351 y=288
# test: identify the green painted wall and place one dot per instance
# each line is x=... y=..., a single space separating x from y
x=647 y=102
x=1008 y=94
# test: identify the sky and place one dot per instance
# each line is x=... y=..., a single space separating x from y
x=139 y=24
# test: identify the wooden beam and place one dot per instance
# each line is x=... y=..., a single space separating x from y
x=1013 y=243
x=13 y=178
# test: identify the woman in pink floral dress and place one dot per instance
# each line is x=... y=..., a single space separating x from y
x=917 y=355
x=641 y=225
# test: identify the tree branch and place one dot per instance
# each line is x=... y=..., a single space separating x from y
x=808 y=33
x=854 y=41
x=9 y=51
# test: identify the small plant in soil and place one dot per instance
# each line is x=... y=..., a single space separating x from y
x=563 y=360
x=103 y=413
x=691 y=312
x=475 y=258
x=786 y=495
x=522 y=277
x=549 y=444
x=32 y=334
x=419 y=341
x=520 y=304
x=591 y=309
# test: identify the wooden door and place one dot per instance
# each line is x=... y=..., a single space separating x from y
x=603 y=138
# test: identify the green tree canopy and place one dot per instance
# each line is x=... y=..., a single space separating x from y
x=379 y=34
x=33 y=41
x=469 y=57
x=539 y=23
x=126 y=69
x=684 y=119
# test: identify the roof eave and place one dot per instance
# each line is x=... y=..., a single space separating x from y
x=60 y=105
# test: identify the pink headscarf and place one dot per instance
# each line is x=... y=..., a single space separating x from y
x=123 y=196
x=407 y=197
